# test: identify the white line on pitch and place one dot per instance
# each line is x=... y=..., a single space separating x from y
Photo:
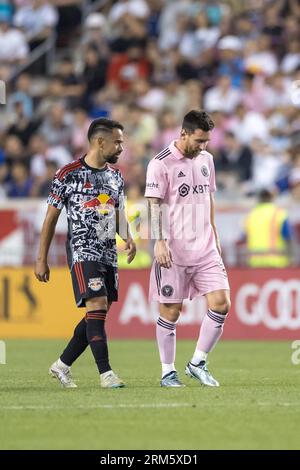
x=94 y=407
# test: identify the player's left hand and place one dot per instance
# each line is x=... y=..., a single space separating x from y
x=131 y=248
x=42 y=271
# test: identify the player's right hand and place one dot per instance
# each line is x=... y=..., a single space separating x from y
x=162 y=253
x=42 y=271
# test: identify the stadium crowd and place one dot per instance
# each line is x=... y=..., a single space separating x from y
x=146 y=63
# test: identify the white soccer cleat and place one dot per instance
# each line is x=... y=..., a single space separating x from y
x=111 y=380
x=201 y=373
x=63 y=374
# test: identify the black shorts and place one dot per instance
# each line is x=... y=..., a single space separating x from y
x=93 y=279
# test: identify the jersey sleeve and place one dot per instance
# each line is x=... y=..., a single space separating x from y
x=157 y=180
x=57 y=195
x=212 y=177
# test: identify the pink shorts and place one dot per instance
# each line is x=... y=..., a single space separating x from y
x=186 y=282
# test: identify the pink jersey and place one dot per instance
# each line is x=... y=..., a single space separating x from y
x=184 y=186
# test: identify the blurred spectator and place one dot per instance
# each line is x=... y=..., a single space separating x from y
x=94 y=72
x=72 y=86
x=277 y=91
x=42 y=186
x=56 y=127
x=37 y=19
x=53 y=94
x=41 y=153
x=21 y=182
x=22 y=95
x=14 y=150
x=178 y=96
x=162 y=64
x=125 y=68
x=279 y=127
x=168 y=129
x=273 y=24
x=142 y=125
x=69 y=19
x=23 y=127
x=253 y=93
x=259 y=56
x=248 y=125
x=147 y=97
x=234 y=157
x=130 y=31
x=243 y=28
x=13 y=46
x=222 y=97
x=265 y=168
x=94 y=33
x=200 y=36
x=268 y=234
x=136 y=8
x=230 y=58
x=169 y=26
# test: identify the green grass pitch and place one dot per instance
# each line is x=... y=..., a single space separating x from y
x=256 y=407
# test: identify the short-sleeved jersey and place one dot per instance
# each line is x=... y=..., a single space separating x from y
x=184 y=186
x=90 y=197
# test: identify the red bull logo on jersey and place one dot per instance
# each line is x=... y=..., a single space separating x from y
x=102 y=203
x=95 y=283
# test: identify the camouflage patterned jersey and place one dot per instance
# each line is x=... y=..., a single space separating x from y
x=90 y=197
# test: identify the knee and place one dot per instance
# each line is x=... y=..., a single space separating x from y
x=170 y=313
x=95 y=330
x=222 y=307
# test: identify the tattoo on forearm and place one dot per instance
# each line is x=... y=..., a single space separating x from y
x=156 y=221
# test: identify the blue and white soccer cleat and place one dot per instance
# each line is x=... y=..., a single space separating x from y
x=63 y=374
x=201 y=373
x=171 y=380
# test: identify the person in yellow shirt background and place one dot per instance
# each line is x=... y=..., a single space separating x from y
x=136 y=211
x=268 y=234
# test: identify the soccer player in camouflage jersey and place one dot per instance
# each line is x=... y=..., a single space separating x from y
x=93 y=194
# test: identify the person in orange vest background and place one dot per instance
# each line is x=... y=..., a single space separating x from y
x=268 y=234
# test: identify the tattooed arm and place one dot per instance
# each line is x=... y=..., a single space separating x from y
x=162 y=252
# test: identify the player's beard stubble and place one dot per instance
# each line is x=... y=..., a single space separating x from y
x=112 y=158
x=189 y=152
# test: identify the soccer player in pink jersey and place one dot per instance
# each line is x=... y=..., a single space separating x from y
x=187 y=253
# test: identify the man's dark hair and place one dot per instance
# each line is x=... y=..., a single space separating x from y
x=197 y=120
x=265 y=195
x=103 y=125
